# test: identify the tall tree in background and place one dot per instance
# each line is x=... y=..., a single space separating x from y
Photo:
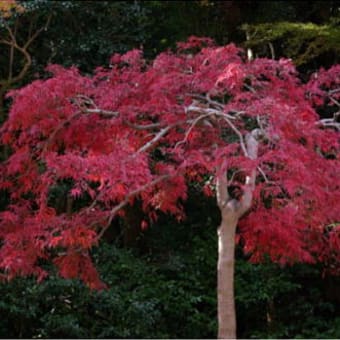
x=87 y=33
x=16 y=37
x=36 y=33
x=247 y=131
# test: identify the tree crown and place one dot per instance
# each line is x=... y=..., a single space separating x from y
x=143 y=130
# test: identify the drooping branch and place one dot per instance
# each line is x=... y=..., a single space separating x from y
x=11 y=80
x=101 y=112
x=143 y=127
x=238 y=133
x=127 y=199
x=192 y=126
x=208 y=110
x=62 y=124
x=87 y=105
x=155 y=139
x=32 y=37
x=208 y=99
x=329 y=122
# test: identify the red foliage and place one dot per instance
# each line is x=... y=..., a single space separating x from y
x=143 y=130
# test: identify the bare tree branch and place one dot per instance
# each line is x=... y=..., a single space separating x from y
x=13 y=44
x=143 y=127
x=209 y=100
x=210 y=111
x=239 y=134
x=101 y=112
x=37 y=32
x=193 y=124
x=272 y=51
x=329 y=122
x=154 y=140
x=331 y=92
x=264 y=175
x=127 y=199
x=334 y=101
x=83 y=101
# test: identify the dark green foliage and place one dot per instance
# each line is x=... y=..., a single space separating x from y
x=167 y=295
x=87 y=33
x=274 y=302
x=170 y=292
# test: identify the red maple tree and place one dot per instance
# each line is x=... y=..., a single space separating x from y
x=214 y=118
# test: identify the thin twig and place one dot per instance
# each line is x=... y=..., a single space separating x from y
x=209 y=100
x=143 y=127
x=210 y=111
x=333 y=91
x=154 y=140
x=193 y=124
x=230 y=181
x=36 y=33
x=271 y=48
x=334 y=101
x=101 y=112
x=264 y=175
x=239 y=134
x=250 y=88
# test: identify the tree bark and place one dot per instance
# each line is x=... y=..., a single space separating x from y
x=225 y=277
x=231 y=211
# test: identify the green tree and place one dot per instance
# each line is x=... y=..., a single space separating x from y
x=302 y=42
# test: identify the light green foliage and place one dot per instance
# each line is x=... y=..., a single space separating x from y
x=302 y=42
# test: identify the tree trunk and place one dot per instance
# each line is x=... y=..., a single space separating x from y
x=231 y=211
x=225 y=278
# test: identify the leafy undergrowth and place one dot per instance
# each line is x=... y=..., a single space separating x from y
x=169 y=292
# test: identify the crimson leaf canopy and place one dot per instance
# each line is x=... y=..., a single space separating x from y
x=142 y=130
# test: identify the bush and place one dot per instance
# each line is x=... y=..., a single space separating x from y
x=146 y=299
x=170 y=292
